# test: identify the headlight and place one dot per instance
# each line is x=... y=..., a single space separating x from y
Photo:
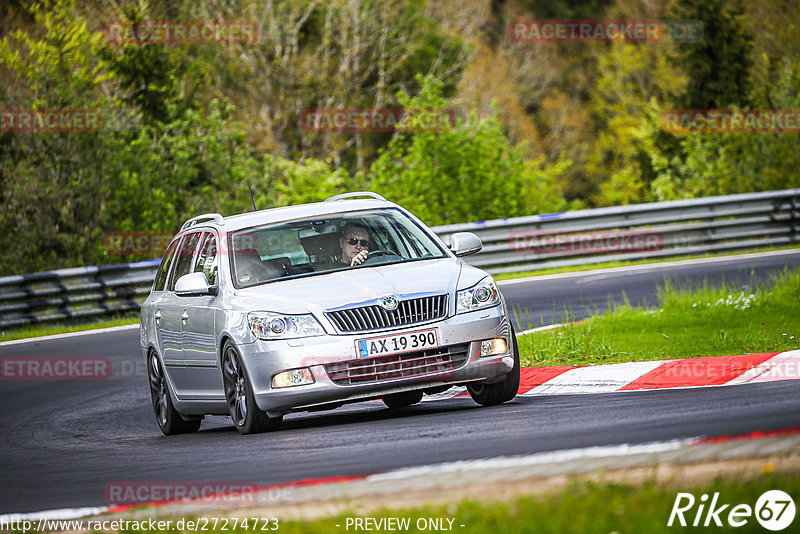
x=267 y=325
x=484 y=294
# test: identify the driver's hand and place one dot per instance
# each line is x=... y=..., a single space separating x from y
x=359 y=258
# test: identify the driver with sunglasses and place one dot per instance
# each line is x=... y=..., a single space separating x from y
x=354 y=241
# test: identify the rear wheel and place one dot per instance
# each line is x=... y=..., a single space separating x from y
x=402 y=400
x=499 y=392
x=169 y=420
x=246 y=416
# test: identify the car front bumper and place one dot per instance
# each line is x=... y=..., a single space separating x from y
x=321 y=354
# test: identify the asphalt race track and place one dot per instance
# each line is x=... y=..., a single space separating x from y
x=64 y=441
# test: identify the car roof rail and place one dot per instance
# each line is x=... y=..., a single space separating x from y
x=355 y=194
x=216 y=217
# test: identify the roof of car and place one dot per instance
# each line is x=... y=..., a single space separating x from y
x=289 y=213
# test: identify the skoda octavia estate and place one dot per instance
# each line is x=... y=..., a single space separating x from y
x=308 y=307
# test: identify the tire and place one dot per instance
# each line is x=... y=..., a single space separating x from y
x=490 y=394
x=396 y=401
x=169 y=420
x=246 y=416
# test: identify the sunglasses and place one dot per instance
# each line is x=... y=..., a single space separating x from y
x=353 y=241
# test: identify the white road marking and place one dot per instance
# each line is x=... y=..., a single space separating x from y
x=501 y=462
x=646 y=267
x=62 y=513
x=541 y=328
x=70 y=334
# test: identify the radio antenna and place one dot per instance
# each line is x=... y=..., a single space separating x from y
x=252 y=199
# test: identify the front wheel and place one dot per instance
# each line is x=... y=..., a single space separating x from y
x=246 y=416
x=489 y=394
x=169 y=420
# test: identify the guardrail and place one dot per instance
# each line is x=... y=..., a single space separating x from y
x=584 y=237
x=639 y=231
x=68 y=294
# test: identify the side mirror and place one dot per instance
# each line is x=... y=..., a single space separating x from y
x=465 y=243
x=193 y=285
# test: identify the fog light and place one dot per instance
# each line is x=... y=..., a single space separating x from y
x=293 y=377
x=492 y=347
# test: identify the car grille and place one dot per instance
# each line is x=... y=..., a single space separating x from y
x=395 y=366
x=374 y=317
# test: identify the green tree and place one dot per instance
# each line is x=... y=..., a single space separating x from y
x=64 y=190
x=469 y=172
x=288 y=182
x=718 y=65
x=727 y=163
x=199 y=162
x=51 y=196
x=158 y=81
x=633 y=83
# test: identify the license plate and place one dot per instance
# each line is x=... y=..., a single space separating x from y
x=397 y=344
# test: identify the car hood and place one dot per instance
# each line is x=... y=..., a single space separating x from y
x=354 y=287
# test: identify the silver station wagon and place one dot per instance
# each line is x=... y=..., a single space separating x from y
x=309 y=307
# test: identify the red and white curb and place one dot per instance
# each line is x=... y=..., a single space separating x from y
x=663 y=374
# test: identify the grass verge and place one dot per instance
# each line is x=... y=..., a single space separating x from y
x=61 y=328
x=580 y=505
x=711 y=321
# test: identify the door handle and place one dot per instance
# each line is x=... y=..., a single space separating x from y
x=184 y=316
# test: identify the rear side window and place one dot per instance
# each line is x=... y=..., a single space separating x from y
x=206 y=262
x=163 y=269
x=183 y=263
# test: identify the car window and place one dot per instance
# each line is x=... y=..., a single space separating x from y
x=314 y=246
x=183 y=263
x=207 y=261
x=281 y=243
x=163 y=269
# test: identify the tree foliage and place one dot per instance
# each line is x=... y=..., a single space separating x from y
x=540 y=127
x=465 y=173
x=718 y=66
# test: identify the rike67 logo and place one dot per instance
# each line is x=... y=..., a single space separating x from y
x=774 y=510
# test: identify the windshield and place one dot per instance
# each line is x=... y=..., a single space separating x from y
x=319 y=245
